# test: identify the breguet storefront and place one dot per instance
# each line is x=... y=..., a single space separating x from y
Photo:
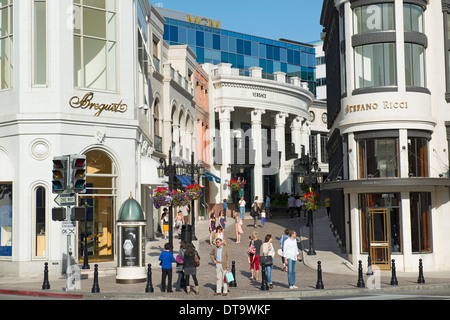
x=77 y=95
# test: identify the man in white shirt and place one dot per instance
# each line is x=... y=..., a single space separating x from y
x=291 y=255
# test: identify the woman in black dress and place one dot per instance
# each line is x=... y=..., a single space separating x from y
x=189 y=267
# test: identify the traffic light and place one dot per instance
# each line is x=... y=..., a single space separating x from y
x=58 y=214
x=79 y=213
x=78 y=173
x=59 y=181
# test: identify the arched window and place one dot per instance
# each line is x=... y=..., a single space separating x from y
x=100 y=203
x=40 y=206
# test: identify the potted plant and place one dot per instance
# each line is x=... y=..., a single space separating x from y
x=179 y=198
x=235 y=185
x=311 y=200
x=161 y=197
x=194 y=191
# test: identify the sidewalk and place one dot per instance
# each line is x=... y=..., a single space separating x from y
x=339 y=276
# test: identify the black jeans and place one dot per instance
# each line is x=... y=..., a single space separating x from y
x=166 y=273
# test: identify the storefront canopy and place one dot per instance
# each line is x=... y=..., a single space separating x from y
x=211 y=177
x=185 y=181
x=149 y=172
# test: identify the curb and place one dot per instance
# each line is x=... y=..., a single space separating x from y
x=284 y=295
x=42 y=294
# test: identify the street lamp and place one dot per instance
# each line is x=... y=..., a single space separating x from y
x=192 y=168
x=310 y=170
x=170 y=171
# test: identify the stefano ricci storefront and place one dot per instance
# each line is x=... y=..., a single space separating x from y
x=393 y=175
x=76 y=95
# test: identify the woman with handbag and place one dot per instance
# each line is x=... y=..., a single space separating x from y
x=267 y=258
x=254 y=259
x=189 y=267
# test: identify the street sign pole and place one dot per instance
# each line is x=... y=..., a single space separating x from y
x=69 y=179
x=69 y=286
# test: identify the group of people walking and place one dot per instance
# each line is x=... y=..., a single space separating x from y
x=261 y=253
x=186 y=261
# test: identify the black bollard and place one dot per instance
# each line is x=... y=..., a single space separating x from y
x=264 y=284
x=46 y=284
x=319 y=284
x=149 y=287
x=233 y=284
x=394 y=281
x=421 y=279
x=95 y=287
x=360 y=283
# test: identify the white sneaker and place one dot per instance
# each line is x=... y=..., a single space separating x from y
x=291 y=287
x=294 y=287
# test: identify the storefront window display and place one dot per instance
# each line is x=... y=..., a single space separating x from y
x=420 y=208
x=5 y=219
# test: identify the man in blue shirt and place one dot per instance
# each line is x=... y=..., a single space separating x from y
x=166 y=258
x=268 y=207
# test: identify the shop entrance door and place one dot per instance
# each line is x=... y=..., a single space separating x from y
x=98 y=229
x=100 y=203
x=379 y=238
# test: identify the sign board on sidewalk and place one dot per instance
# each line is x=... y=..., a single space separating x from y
x=68 y=228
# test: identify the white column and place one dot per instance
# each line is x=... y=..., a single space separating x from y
x=352 y=158
x=280 y=124
x=403 y=156
x=257 y=145
x=319 y=150
x=225 y=136
x=296 y=128
x=176 y=140
x=305 y=132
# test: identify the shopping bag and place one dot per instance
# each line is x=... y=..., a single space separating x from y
x=229 y=277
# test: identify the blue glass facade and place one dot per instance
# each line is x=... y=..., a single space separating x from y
x=214 y=45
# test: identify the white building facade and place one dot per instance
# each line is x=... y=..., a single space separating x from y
x=81 y=80
x=392 y=66
x=260 y=127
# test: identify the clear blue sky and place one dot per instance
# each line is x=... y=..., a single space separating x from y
x=297 y=20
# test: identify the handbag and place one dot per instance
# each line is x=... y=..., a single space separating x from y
x=179 y=259
x=229 y=277
x=266 y=260
x=251 y=249
x=196 y=260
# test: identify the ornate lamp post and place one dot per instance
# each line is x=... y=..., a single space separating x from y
x=169 y=170
x=192 y=169
x=311 y=171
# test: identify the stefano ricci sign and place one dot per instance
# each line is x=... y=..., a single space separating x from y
x=87 y=102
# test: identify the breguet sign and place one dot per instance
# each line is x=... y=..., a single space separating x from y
x=87 y=102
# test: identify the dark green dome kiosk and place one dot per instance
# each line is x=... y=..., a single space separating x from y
x=130 y=243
